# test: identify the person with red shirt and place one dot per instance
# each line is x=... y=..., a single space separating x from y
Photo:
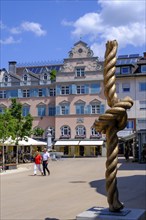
x=37 y=163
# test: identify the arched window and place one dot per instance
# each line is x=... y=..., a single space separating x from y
x=65 y=131
x=95 y=133
x=80 y=131
x=25 y=77
x=6 y=78
x=45 y=76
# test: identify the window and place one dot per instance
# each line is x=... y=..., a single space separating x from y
x=45 y=76
x=64 y=90
x=52 y=92
x=80 y=108
x=26 y=93
x=41 y=110
x=126 y=87
x=130 y=124
x=142 y=86
x=65 y=131
x=2 y=94
x=25 y=110
x=40 y=93
x=142 y=104
x=143 y=68
x=125 y=70
x=2 y=109
x=51 y=110
x=80 y=131
x=141 y=124
x=81 y=89
x=6 y=78
x=64 y=109
x=80 y=72
x=95 y=108
x=25 y=78
x=95 y=88
x=95 y=133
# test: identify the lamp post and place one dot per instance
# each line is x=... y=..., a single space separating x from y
x=49 y=139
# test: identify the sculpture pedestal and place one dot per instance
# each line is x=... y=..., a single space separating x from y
x=100 y=213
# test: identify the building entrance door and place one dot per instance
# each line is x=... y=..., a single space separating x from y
x=82 y=151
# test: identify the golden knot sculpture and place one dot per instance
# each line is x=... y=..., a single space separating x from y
x=114 y=120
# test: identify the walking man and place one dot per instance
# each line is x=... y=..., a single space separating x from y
x=45 y=157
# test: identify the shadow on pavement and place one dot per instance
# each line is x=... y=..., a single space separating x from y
x=57 y=219
x=129 y=165
x=132 y=190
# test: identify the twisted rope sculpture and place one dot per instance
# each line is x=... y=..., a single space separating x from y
x=114 y=120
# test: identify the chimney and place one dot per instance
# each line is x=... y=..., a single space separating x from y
x=144 y=55
x=12 y=66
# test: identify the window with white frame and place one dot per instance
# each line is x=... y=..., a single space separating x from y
x=95 y=133
x=45 y=76
x=81 y=89
x=26 y=93
x=143 y=68
x=52 y=92
x=64 y=109
x=25 y=77
x=64 y=90
x=65 y=131
x=95 y=108
x=80 y=131
x=142 y=86
x=6 y=79
x=126 y=87
x=2 y=94
x=80 y=72
x=142 y=104
x=125 y=70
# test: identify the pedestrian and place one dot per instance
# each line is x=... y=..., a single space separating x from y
x=45 y=157
x=37 y=163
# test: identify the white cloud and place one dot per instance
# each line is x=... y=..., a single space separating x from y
x=36 y=28
x=9 y=40
x=123 y=20
x=2 y=26
x=33 y=27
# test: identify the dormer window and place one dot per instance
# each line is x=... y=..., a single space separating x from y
x=143 y=68
x=125 y=70
x=25 y=78
x=6 y=79
x=45 y=76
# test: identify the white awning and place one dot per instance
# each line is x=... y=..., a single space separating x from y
x=91 y=143
x=66 y=143
x=126 y=135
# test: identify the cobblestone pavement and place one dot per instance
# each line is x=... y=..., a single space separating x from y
x=75 y=185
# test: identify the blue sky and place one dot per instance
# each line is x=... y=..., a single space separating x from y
x=34 y=31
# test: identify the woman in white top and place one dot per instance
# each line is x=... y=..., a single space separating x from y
x=45 y=158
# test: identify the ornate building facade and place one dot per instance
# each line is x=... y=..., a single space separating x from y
x=70 y=103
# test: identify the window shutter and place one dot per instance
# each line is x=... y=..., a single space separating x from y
x=102 y=108
x=73 y=89
x=20 y=93
x=86 y=89
x=58 y=110
x=58 y=90
x=88 y=109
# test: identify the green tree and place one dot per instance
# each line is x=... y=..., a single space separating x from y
x=23 y=125
x=7 y=128
x=53 y=75
x=38 y=132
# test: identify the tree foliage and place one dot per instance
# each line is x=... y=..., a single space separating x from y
x=53 y=75
x=38 y=132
